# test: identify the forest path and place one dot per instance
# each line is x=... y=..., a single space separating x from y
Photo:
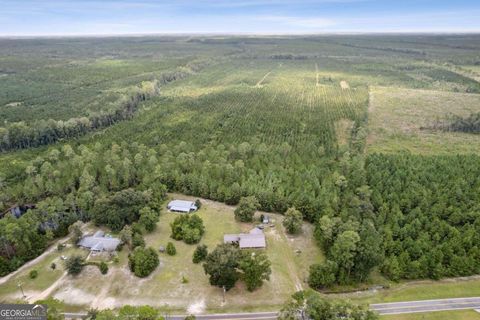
x=47 y=292
x=259 y=83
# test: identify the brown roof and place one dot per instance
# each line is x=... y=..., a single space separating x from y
x=254 y=239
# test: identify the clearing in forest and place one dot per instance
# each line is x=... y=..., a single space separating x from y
x=399 y=118
x=343 y=129
x=178 y=283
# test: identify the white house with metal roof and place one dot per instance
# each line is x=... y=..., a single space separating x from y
x=255 y=239
x=182 y=206
x=99 y=242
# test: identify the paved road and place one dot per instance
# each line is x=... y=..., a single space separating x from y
x=381 y=308
x=427 y=305
x=230 y=316
x=220 y=316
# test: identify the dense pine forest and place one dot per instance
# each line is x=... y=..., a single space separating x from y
x=284 y=120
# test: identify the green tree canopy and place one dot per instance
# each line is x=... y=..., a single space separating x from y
x=148 y=218
x=293 y=221
x=254 y=267
x=246 y=209
x=200 y=253
x=188 y=228
x=221 y=266
x=143 y=261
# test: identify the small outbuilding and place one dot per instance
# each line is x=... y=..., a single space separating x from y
x=181 y=206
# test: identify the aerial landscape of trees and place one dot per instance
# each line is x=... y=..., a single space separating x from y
x=294 y=145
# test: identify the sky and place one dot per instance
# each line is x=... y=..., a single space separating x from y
x=111 y=17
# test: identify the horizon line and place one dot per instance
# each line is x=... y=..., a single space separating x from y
x=198 y=34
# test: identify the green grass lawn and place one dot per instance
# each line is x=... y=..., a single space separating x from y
x=396 y=116
x=421 y=290
x=9 y=291
x=444 y=315
x=177 y=283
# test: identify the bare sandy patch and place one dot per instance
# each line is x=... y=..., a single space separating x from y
x=74 y=296
x=343 y=129
x=197 y=307
x=344 y=85
x=14 y=104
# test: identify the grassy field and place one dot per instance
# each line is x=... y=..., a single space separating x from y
x=444 y=315
x=10 y=291
x=178 y=284
x=397 y=118
x=420 y=290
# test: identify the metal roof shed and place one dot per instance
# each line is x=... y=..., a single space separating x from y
x=181 y=206
x=252 y=241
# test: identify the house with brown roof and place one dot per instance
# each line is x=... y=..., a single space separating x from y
x=255 y=239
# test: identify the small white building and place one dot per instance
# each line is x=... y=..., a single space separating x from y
x=181 y=206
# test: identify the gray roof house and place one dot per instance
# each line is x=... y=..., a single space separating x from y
x=181 y=206
x=255 y=239
x=99 y=242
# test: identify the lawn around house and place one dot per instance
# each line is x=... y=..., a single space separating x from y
x=10 y=291
x=178 y=285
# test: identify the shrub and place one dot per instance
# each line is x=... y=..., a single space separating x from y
x=74 y=265
x=200 y=253
x=33 y=274
x=53 y=266
x=138 y=241
x=138 y=313
x=322 y=275
x=103 y=267
x=198 y=203
x=171 y=250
